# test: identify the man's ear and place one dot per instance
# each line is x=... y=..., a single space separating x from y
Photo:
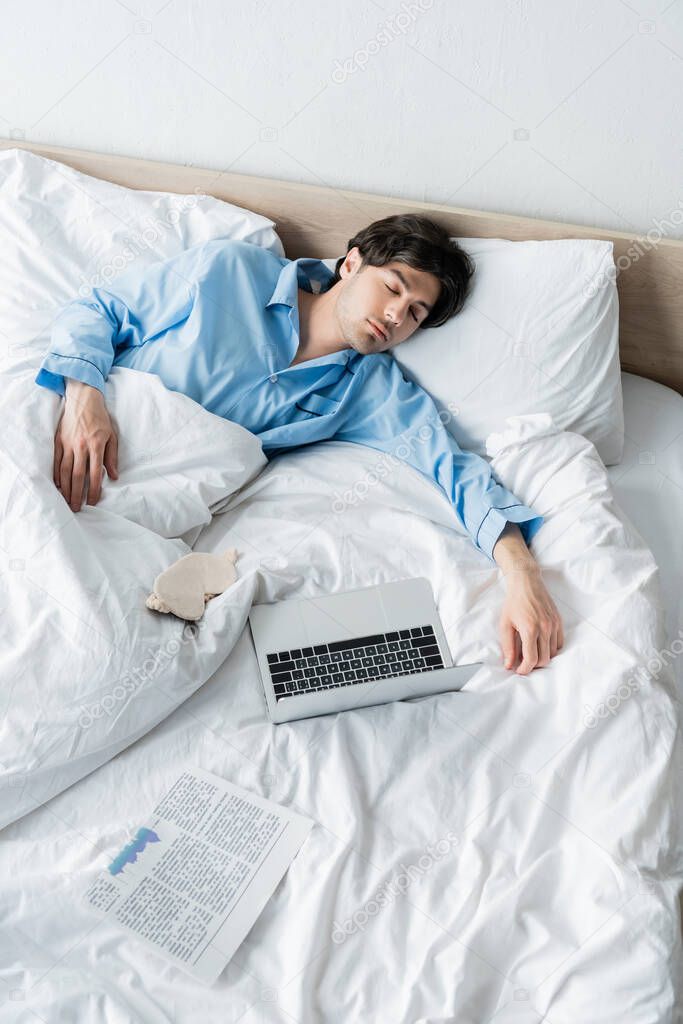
x=351 y=263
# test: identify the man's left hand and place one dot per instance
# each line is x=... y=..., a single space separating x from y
x=530 y=624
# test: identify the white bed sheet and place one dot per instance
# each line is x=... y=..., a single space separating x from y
x=648 y=485
x=506 y=854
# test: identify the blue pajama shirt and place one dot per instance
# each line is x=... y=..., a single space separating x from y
x=220 y=322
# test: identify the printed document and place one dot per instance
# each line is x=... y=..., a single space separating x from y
x=193 y=880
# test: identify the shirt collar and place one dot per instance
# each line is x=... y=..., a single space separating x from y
x=310 y=274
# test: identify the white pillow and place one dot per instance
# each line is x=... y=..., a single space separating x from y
x=539 y=333
x=63 y=233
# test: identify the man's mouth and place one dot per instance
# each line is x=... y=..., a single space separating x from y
x=377 y=331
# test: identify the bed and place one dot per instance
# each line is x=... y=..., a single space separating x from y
x=511 y=853
x=652 y=467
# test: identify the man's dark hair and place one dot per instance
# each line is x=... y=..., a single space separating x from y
x=420 y=243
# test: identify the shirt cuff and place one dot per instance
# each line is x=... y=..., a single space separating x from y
x=495 y=521
x=55 y=368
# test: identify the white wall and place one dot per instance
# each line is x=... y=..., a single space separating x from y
x=562 y=109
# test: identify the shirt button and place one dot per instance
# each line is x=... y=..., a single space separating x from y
x=273 y=377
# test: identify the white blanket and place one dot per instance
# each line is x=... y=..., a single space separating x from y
x=509 y=853
x=86 y=667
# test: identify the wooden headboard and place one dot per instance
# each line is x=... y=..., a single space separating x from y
x=316 y=221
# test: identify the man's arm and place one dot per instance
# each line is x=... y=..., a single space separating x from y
x=530 y=625
x=86 y=334
x=397 y=416
x=139 y=305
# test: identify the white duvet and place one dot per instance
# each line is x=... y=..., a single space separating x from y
x=510 y=853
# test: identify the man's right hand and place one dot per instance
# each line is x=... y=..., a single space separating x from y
x=85 y=440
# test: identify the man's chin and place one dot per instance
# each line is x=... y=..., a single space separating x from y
x=366 y=343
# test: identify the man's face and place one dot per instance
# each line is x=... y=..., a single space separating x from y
x=394 y=297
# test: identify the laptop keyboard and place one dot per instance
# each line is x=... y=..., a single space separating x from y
x=345 y=662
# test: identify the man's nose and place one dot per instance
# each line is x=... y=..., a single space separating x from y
x=393 y=316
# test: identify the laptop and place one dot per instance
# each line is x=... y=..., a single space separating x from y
x=321 y=655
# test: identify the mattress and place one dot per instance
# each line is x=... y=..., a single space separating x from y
x=510 y=853
x=648 y=484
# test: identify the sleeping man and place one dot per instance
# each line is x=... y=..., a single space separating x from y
x=296 y=353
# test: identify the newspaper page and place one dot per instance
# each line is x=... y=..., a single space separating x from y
x=194 y=879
